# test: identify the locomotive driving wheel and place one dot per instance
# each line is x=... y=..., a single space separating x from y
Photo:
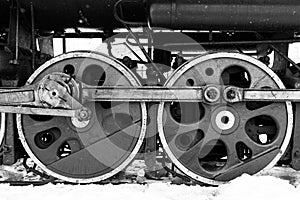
x=214 y=141
x=91 y=150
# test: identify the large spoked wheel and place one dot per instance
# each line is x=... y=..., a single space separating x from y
x=86 y=151
x=214 y=143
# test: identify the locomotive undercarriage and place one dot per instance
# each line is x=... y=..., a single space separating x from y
x=218 y=115
x=83 y=117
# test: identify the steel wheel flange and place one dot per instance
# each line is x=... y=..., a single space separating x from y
x=216 y=142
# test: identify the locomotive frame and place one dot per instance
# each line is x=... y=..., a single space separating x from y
x=213 y=93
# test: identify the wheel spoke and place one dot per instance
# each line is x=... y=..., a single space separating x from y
x=199 y=151
x=175 y=128
x=248 y=149
x=272 y=110
x=183 y=129
x=260 y=79
x=232 y=157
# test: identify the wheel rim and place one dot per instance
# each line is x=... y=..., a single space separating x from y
x=218 y=142
x=84 y=152
x=2 y=127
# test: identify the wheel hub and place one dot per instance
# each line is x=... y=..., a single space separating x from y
x=225 y=120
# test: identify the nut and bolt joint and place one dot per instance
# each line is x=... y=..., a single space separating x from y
x=84 y=114
x=212 y=94
x=231 y=94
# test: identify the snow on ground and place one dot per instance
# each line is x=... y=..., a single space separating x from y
x=245 y=187
x=279 y=183
x=258 y=187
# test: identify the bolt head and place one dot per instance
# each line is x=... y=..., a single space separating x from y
x=83 y=114
x=231 y=94
x=212 y=94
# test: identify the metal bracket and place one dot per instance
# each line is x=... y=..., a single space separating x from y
x=10 y=155
x=51 y=96
x=34 y=170
x=234 y=94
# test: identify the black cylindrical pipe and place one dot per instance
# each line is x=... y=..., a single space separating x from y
x=250 y=15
